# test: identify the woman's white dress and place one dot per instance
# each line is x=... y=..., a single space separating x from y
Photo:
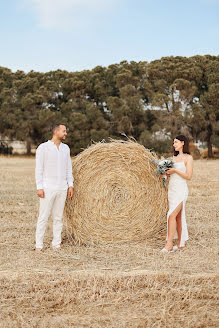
x=177 y=193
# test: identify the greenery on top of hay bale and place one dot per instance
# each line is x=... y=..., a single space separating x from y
x=117 y=197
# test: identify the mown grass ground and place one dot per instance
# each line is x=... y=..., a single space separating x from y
x=106 y=286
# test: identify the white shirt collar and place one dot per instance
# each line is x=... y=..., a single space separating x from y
x=53 y=143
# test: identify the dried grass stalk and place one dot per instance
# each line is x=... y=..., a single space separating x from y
x=117 y=198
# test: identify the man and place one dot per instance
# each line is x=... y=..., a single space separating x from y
x=54 y=180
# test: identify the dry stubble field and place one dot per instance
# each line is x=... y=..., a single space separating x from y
x=111 y=286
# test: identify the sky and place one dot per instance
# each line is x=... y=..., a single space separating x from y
x=45 y=35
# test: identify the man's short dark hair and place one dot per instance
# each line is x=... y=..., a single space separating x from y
x=56 y=126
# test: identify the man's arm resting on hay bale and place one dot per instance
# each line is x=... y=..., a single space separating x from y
x=189 y=169
x=70 y=178
x=39 y=171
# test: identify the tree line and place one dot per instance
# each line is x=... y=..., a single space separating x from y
x=152 y=102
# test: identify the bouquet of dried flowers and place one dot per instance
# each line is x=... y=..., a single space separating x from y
x=162 y=166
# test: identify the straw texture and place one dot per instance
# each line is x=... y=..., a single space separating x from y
x=117 y=197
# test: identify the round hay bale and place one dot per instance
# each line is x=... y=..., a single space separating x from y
x=117 y=198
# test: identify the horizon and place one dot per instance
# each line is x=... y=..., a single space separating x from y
x=90 y=69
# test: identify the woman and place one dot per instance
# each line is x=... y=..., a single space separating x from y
x=177 y=194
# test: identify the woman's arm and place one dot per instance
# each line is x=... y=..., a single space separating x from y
x=189 y=170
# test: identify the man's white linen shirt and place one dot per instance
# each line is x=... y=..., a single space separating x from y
x=53 y=166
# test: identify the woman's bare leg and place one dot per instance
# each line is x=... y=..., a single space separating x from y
x=179 y=226
x=172 y=226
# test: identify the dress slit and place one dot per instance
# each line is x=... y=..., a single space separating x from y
x=177 y=194
x=183 y=223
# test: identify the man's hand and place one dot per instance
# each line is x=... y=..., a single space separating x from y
x=70 y=192
x=40 y=193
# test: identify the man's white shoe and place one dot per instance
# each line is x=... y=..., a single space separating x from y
x=56 y=248
x=38 y=250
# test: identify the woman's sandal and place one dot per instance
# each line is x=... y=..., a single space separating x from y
x=175 y=248
x=164 y=250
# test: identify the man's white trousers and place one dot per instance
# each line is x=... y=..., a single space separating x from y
x=54 y=200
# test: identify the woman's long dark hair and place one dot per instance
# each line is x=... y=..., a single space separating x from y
x=181 y=137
